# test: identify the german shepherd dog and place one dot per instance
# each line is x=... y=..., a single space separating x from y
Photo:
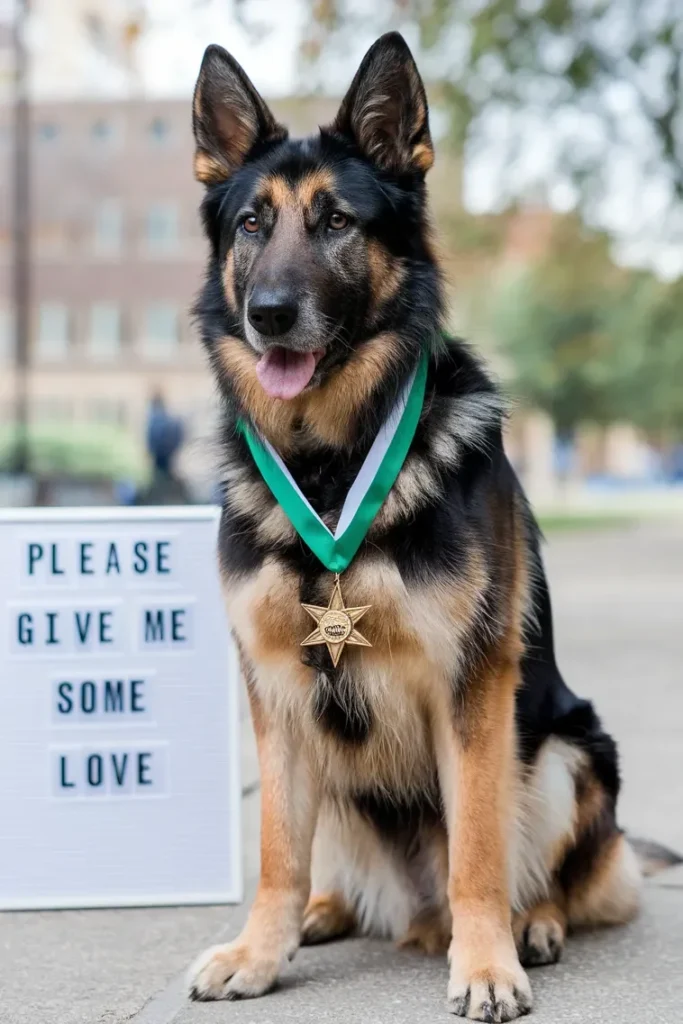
x=444 y=787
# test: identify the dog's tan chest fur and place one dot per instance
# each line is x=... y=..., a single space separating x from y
x=405 y=679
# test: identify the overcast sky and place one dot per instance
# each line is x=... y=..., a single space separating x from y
x=172 y=52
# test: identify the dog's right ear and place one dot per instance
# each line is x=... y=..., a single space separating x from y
x=228 y=117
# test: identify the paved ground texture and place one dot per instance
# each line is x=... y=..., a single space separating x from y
x=618 y=601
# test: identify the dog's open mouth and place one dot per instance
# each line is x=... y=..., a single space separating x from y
x=283 y=373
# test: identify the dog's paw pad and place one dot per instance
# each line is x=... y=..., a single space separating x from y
x=492 y=999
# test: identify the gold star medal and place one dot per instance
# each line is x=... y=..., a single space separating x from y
x=335 y=624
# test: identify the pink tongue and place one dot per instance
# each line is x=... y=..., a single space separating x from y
x=284 y=374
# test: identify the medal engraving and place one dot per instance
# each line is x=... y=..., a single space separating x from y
x=335 y=625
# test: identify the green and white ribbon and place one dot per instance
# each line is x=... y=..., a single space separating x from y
x=375 y=479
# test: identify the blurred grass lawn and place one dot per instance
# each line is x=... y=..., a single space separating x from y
x=559 y=522
x=99 y=451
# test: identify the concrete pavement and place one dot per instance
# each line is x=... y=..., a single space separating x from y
x=618 y=599
x=629 y=976
x=618 y=605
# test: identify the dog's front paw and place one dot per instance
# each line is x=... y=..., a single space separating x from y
x=233 y=971
x=493 y=993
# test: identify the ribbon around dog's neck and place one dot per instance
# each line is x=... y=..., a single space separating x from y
x=366 y=495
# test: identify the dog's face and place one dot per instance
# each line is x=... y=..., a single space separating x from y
x=311 y=236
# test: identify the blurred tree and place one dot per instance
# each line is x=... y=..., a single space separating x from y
x=583 y=97
x=589 y=341
x=646 y=324
x=552 y=321
x=583 y=79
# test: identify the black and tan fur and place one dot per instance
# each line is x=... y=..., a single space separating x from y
x=444 y=788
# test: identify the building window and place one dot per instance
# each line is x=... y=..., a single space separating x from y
x=102 y=130
x=159 y=130
x=161 y=331
x=53 y=331
x=162 y=227
x=47 y=131
x=104 y=341
x=109 y=226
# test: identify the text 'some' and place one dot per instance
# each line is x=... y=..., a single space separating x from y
x=118 y=738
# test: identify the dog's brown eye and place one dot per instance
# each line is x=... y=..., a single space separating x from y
x=251 y=224
x=338 y=221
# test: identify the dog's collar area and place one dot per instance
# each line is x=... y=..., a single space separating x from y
x=366 y=495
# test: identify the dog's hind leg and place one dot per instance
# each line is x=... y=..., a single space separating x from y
x=540 y=932
x=599 y=873
x=544 y=830
x=357 y=880
x=568 y=833
x=610 y=892
x=327 y=916
x=429 y=932
x=430 y=929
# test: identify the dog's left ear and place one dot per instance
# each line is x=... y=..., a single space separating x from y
x=385 y=110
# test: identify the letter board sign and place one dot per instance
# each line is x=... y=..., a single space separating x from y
x=119 y=713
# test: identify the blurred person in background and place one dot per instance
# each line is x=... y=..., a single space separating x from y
x=165 y=436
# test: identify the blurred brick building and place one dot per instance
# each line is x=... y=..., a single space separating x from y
x=117 y=251
x=117 y=257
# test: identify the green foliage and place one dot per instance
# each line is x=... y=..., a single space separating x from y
x=647 y=320
x=589 y=342
x=550 y=321
x=96 y=452
x=558 y=353
x=584 y=339
x=543 y=57
x=569 y=53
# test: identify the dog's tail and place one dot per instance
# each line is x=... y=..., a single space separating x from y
x=653 y=857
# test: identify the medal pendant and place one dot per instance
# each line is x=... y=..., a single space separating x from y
x=335 y=624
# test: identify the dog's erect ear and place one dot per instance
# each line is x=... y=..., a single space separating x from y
x=385 y=110
x=228 y=117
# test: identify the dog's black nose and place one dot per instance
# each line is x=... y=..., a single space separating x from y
x=271 y=313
